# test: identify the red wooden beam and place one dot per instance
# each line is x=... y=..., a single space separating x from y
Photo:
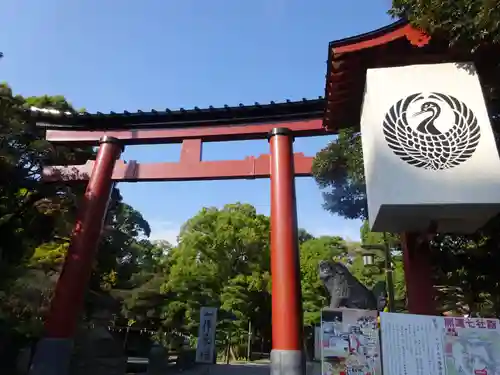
x=305 y=128
x=185 y=170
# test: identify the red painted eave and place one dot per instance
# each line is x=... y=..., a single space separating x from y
x=384 y=35
x=348 y=60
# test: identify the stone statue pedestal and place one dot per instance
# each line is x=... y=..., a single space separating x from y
x=158 y=360
x=96 y=352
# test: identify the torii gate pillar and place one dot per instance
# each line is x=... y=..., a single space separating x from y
x=287 y=355
x=53 y=352
x=418 y=274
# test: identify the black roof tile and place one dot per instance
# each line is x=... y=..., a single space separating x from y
x=182 y=118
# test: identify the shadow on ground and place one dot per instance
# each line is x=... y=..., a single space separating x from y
x=232 y=369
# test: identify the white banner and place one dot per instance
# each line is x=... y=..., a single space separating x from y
x=205 y=350
x=435 y=345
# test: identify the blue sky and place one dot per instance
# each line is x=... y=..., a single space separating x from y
x=126 y=55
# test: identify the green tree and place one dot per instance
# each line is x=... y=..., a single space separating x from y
x=304 y=235
x=222 y=260
x=34 y=217
x=466 y=22
x=120 y=249
x=338 y=170
x=377 y=270
x=314 y=295
x=368 y=275
x=377 y=238
x=466 y=279
x=29 y=210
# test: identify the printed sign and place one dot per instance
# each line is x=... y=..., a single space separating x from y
x=349 y=342
x=423 y=345
x=205 y=350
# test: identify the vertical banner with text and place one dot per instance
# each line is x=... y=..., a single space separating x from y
x=205 y=350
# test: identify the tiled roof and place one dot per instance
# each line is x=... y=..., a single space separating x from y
x=181 y=118
x=349 y=59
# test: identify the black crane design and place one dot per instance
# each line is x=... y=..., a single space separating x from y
x=427 y=125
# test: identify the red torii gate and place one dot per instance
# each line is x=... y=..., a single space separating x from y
x=348 y=60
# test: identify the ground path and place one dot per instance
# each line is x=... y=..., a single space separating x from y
x=242 y=369
x=232 y=369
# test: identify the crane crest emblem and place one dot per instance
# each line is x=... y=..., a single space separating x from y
x=425 y=144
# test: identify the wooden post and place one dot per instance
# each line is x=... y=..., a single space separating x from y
x=54 y=351
x=287 y=354
x=418 y=274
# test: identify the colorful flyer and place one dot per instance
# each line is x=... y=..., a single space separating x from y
x=350 y=342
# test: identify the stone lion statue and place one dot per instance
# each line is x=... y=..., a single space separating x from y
x=345 y=290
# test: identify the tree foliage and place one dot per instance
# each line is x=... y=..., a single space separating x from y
x=314 y=294
x=338 y=170
x=36 y=219
x=466 y=277
x=30 y=212
x=467 y=22
x=222 y=260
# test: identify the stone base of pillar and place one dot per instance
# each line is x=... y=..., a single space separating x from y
x=52 y=357
x=287 y=362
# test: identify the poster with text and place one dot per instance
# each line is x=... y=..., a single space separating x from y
x=423 y=345
x=349 y=342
